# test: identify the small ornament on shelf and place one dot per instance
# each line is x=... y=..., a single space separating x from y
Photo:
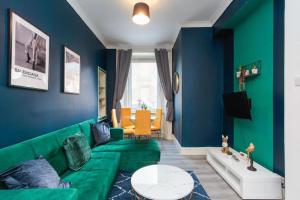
x=225 y=147
x=249 y=151
x=242 y=79
x=254 y=70
x=247 y=73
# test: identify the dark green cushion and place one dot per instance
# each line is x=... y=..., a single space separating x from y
x=96 y=177
x=77 y=150
x=48 y=146
x=134 y=153
x=15 y=154
x=38 y=194
x=86 y=130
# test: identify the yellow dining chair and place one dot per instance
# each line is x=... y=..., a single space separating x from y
x=156 y=124
x=126 y=123
x=125 y=118
x=142 y=123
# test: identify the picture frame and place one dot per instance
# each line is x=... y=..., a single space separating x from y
x=29 y=55
x=71 y=71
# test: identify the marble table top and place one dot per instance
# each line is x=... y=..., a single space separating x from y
x=162 y=182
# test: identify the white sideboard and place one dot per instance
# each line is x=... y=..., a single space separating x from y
x=261 y=184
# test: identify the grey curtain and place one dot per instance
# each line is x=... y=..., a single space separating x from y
x=162 y=61
x=122 y=69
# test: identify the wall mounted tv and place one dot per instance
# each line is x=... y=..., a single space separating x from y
x=237 y=105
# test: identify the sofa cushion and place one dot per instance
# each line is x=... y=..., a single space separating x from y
x=96 y=177
x=47 y=146
x=86 y=130
x=134 y=153
x=101 y=133
x=36 y=173
x=15 y=154
x=77 y=150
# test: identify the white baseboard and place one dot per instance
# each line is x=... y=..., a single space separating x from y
x=193 y=151
x=168 y=136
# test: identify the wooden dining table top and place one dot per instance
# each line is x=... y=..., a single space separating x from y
x=132 y=117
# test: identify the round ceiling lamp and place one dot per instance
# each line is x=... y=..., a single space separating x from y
x=141 y=14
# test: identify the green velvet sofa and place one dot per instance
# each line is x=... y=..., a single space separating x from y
x=94 y=180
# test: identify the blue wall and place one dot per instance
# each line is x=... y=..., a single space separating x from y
x=201 y=69
x=27 y=113
x=177 y=67
x=278 y=87
x=110 y=79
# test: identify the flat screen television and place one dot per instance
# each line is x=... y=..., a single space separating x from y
x=237 y=105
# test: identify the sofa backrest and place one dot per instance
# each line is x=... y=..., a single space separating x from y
x=86 y=130
x=48 y=145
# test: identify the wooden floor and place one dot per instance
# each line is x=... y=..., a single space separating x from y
x=214 y=185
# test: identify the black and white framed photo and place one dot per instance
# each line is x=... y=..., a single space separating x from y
x=71 y=72
x=29 y=55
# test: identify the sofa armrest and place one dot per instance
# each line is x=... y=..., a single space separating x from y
x=116 y=133
x=40 y=193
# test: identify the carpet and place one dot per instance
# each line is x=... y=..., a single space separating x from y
x=122 y=188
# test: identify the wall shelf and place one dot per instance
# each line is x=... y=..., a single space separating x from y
x=101 y=93
x=251 y=70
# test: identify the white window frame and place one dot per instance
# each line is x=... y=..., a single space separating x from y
x=127 y=96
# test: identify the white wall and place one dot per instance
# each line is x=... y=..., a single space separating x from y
x=292 y=99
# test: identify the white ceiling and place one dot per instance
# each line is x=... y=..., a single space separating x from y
x=111 y=22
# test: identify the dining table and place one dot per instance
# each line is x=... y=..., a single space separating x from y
x=132 y=117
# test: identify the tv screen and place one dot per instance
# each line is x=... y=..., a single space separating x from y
x=237 y=105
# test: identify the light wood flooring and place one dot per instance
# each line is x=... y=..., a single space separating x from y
x=214 y=185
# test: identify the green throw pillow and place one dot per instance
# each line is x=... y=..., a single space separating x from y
x=78 y=151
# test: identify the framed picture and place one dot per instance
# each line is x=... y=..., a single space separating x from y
x=29 y=55
x=71 y=72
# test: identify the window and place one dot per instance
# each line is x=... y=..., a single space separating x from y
x=143 y=82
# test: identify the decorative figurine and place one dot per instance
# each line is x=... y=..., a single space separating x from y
x=249 y=151
x=225 y=147
x=242 y=79
x=247 y=73
x=254 y=70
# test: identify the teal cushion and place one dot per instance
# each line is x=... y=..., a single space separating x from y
x=96 y=177
x=85 y=128
x=77 y=150
x=134 y=153
x=48 y=146
x=15 y=154
x=38 y=194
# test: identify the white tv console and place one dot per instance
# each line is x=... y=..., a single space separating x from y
x=261 y=184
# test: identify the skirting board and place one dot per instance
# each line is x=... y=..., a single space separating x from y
x=193 y=151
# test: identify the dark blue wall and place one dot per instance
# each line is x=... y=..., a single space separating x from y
x=226 y=37
x=200 y=63
x=110 y=79
x=278 y=85
x=27 y=113
x=177 y=67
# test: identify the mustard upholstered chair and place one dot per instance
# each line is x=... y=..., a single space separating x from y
x=156 y=124
x=126 y=123
x=125 y=118
x=142 y=123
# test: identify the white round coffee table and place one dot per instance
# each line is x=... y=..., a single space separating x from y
x=162 y=182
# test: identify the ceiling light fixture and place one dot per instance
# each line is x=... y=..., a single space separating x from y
x=141 y=14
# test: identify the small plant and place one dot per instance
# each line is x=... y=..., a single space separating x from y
x=142 y=105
